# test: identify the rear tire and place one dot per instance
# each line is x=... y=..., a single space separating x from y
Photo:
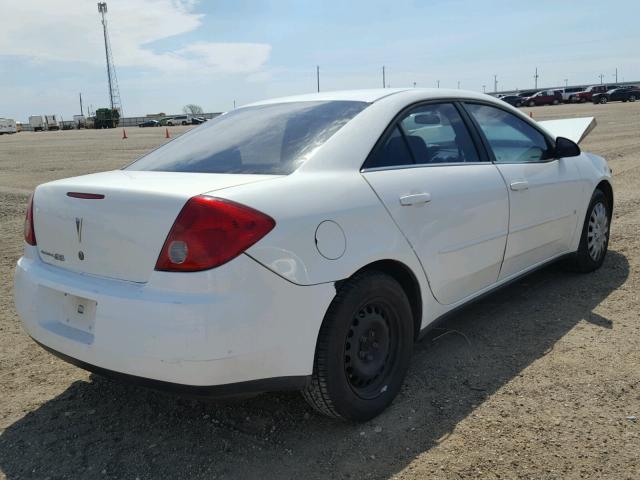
x=594 y=241
x=556 y=102
x=603 y=100
x=632 y=98
x=532 y=104
x=364 y=348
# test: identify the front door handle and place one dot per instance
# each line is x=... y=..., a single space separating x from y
x=519 y=185
x=415 y=199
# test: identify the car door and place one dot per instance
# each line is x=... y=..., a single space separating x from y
x=449 y=201
x=543 y=190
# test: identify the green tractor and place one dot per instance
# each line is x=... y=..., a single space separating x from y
x=106 y=118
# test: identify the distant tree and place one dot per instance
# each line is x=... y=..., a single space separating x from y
x=193 y=109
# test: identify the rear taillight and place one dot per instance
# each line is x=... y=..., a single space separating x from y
x=209 y=232
x=29 y=232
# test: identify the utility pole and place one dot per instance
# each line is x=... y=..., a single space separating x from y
x=616 y=74
x=414 y=84
x=484 y=89
x=234 y=104
x=438 y=82
x=318 y=76
x=81 y=111
x=601 y=76
x=535 y=77
x=384 y=80
x=566 y=82
x=458 y=84
x=495 y=83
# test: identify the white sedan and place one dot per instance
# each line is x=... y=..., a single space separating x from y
x=305 y=243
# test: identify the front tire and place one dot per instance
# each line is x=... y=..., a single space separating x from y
x=632 y=98
x=364 y=348
x=603 y=100
x=594 y=241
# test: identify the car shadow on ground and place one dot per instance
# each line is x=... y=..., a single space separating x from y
x=103 y=429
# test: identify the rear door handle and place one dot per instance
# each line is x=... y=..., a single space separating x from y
x=519 y=185
x=415 y=199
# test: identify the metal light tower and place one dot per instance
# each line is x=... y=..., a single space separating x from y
x=114 y=91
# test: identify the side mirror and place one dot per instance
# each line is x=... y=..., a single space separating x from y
x=566 y=148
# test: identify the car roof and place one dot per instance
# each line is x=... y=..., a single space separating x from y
x=373 y=95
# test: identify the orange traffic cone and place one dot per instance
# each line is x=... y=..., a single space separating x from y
x=166 y=133
x=124 y=134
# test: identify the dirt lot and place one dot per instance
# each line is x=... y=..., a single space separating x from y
x=539 y=381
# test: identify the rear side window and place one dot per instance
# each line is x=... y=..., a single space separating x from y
x=428 y=134
x=437 y=134
x=266 y=139
x=394 y=153
x=511 y=139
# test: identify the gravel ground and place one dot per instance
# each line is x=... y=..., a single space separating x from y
x=539 y=381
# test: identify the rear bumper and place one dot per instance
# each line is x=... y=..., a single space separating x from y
x=277 y=384
x=196 y=331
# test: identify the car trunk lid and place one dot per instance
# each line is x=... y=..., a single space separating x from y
x=113 y=224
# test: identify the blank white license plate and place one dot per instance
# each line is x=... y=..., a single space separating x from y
x=78 y=312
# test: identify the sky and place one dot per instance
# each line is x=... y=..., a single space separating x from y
x=213 y=53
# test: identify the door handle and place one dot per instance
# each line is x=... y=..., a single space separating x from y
x=415 y=199
x=519 y=185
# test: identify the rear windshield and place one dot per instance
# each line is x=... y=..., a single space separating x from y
x=267 y=139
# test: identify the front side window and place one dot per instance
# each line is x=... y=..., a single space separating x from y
x=265 y=139
x=511 y=139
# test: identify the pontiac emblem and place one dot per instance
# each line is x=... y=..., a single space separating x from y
x=79 y=228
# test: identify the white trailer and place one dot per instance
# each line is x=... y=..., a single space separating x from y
x=7 y=125
x=36 y=122
x=52 y=122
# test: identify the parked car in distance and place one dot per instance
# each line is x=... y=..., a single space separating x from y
x=587 y=94
x=273 y=248
x=179 y=120
x=527 y=93
x=513 y=100
x=623 y=94
x=198 y=120
x=569 y=92
x=544 y=97
x=149 y=123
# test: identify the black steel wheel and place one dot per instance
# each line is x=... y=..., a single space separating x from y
x=364 y=348
x=370 y=348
